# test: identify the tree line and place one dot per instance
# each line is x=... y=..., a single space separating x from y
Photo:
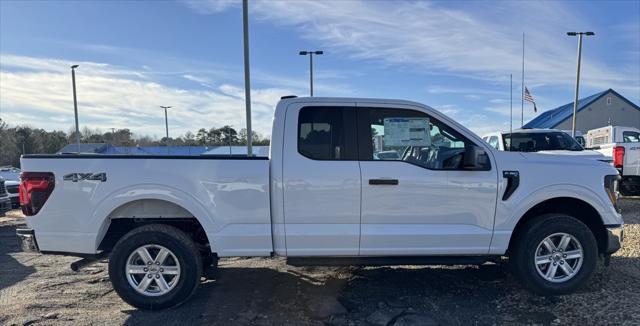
x=18 y=140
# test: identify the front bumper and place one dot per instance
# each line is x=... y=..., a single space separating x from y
x=615 y=237
x=27 y=240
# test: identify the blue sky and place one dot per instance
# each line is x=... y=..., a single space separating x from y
x=455 y=56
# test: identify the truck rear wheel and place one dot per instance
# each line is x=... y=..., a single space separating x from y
x=555 y=254
x=155 y=267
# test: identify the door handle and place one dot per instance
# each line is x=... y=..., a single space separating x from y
x=390 y=182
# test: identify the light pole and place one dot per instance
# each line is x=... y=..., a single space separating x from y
x=166 y=121
x=247 y=75
x=575 y=102
x=75 y=105
x=311 y=53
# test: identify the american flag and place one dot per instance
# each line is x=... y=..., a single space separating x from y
x=529 y=98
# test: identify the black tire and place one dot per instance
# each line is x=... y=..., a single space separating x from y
x=532 y=234
x=171 y=238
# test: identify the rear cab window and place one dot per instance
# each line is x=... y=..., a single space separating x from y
x=327 y=133
x=630 y=137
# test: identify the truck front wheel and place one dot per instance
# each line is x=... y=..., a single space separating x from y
x=554 y=254
x=155 y=267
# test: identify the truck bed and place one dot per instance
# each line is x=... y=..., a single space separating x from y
x=228 y=195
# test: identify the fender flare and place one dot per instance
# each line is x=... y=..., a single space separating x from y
x=147 y=191
x=516 y=207
x=557 y=191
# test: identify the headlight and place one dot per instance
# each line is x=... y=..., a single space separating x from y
x=611 y=186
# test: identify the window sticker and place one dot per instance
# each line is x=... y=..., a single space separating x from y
x=406 y=132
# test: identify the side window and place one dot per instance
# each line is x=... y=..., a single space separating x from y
x=493 y=142
x=630 y=137
x=412 y=136
x=327 y=133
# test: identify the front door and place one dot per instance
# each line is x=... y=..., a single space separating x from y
x=321 y=180
x=417 y=199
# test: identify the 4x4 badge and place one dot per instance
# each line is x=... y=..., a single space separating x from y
x=75 y=177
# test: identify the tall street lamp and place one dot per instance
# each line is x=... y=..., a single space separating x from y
x=166 y=121
x=311 y=53
x=75 y=105
x=575 y=102
x=247 y=74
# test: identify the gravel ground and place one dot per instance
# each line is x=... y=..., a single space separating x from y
x=36 y=289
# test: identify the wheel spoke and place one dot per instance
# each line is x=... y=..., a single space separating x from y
x=558 y=251
x=136 y=269
x=567 y=269
x=544 y=259
x=551 y=272
x=549 y=244
x=144 y=284
x=144 y=255
x=147 y=270
x=170 y=270
x=564 y=242
x=573 y=254
x=162 y=255
x=162 y=284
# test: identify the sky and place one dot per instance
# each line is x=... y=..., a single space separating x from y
x=455 y=56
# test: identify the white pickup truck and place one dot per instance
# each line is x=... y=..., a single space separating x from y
x=322 y=198
x=623 y=144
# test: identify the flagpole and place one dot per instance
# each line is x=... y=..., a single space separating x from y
x=511 y=107
x=522 y=100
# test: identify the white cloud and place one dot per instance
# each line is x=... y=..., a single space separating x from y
x=472 y=39
x=210 y=7
x=37 y=92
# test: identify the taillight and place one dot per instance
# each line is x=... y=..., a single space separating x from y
x=618 y=157
x=35 y=188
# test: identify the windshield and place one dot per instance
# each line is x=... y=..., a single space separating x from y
x=540 y=141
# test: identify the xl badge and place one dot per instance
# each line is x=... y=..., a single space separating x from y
x=75 y=177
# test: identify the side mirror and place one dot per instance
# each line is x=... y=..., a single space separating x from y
x=475 y=158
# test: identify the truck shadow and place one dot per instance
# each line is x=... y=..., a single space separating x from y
x=11 y=270
x=301 y=296
x=459 y=295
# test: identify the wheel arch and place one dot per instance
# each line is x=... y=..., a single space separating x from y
x=577 y=208
x=146 y=204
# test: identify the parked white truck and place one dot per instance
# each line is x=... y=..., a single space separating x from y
x=623 y=144
x=324 y=198
x=543 y=141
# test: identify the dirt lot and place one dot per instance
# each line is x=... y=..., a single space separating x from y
x=37 y=289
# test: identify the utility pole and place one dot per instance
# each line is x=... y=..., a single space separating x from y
x=522 y=93
x=166 y=122
x=75 y=105
x=310 y=54
x=510 y=110
x=575 y=102
x=247 y=75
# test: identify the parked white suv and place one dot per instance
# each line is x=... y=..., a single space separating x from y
x=543 y=141
x=323 y=198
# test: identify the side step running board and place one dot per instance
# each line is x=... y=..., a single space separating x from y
x=387 y=261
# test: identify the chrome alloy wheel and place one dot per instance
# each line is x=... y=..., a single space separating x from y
x=152 y=270
x=558 y=257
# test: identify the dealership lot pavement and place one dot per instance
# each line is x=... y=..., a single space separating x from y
x=37 y=289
